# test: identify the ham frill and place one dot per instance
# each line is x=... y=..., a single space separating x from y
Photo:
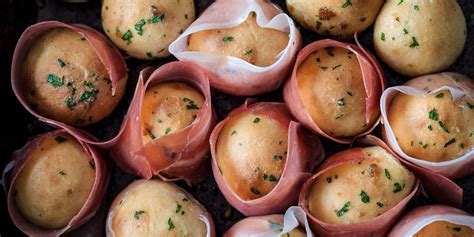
x=334 y=90
x=230 y=40
x=260 y=156
x=55 y=184
x=67 y=75
x=294 y=223
x=362 y=191
x=168 y=124
x=157 y=208
x=429 y=121
x=434 y=220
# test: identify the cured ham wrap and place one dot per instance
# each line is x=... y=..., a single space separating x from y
x=67 y=75
x=234 y=57
x=366 y=208
x=260 y=156
x=293 y=223
x=159 y=136
x=434 y=220
x=55 y=184
x=438 y=132
x=334 y=90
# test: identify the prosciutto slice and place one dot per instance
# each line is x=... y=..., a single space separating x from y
x=271 y=225
x=234 y=75
x=436 y=185
x=304 y=153
x=373 y=77
x=107 y=53
x=91 y=206
x=459 y=86
x=179 y=155
x=412 y=222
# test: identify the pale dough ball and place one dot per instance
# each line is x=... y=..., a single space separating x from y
x=155 y=208
x=144 y=29
x=55 y=182
x=331 y=86
x=340 y=18
x=167 y=108
x=417 y=37
x=64 y=79
x=251 y=154
x=432 y=127
x=445 y=229
x=247 y=41
x=356 y=192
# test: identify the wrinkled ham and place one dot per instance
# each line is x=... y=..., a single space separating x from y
x=88 y=210
x=234 y=75
x=436 y=185
x=459 y=86
x=271 y=225
x=107 y=53
x=373 y=77
x=304 y=153
x=179 y=155
x=412 y=222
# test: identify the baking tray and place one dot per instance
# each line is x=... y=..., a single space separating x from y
x=18 y=125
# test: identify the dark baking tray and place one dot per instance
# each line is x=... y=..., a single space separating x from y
x=18 y=125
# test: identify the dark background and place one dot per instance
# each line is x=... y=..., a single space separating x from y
x=18 y=124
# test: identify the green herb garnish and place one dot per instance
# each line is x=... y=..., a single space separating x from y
x=364 y=197
x=344 y=209
x=55 y=80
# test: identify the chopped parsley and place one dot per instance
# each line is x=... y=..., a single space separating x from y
x=168 y=130
x=364 y=197
x=457 y=229
x=379 y=204
x=341 y=102
x=405 y=31
x=178 y=208
x=88 y=96
x=256 y=120
x=190 y=105
x=156 y=18
x=441 y=124
x=170 y=224
x=387 y=174
x=430 y=127
x=399 y=3
x=233 y=133
x=277 y=157
x=127 y=37
x=333 y=68
x=416 y=7
x=249 y=52
x=139 y=26
x=382 y=36
x=414 y=42
x=347 y=3
x=433 y=115
x=362 y=19
x=349 y=93
x=340 y=116
x=55 y=80
x=450 y=142
x=318 y=25
x=270 y=177
x=254 y=191
x=61 y=63
x=62 y=173
x=150 y=134
x=397 y=188
x=323 y=68
x=329 y=179
x=228 y=39
x=344 y=209
x=138 y=214
x=60 y=139
x=440 y=95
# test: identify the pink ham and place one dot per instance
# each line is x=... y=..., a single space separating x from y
x=416 y=219
x=234 y=75
x=459 y=86
x=107 y=53
x=271 y=225
x=436 y=185
x=90 y=207
x=304 y=153
x=179 y=155
x=373 y=77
